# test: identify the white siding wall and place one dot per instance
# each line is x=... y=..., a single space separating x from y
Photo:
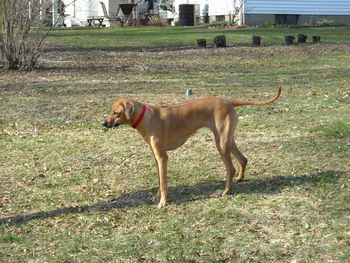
x=220 y=7
x=216 y=7
x=299 y=7
x=78 y=11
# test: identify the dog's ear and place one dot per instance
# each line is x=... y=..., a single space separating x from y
x=128 y=109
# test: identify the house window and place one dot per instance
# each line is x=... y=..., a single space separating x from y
x=286 y=19
x=219 y=18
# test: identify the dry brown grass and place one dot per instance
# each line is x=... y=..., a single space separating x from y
x=156 y=20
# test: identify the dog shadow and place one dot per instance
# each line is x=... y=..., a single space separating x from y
x=182 y=194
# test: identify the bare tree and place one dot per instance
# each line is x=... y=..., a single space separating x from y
x=23 y=32
x=1 y=19
x=238 y=6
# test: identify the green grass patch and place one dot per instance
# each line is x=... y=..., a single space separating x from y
x=168 y=37
x=71 y=192
x=10 y=238
x=337 y=129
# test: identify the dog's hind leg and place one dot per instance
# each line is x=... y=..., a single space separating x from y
x=235 y=151
x=223 y=145
x=242 y=160
x=230 y=172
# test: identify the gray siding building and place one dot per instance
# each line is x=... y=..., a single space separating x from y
x=295 y=12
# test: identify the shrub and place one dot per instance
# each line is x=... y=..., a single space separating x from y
x=156 y=20
x=22 y=33
x=324 y=22
x=269 y=24
x=218 y=24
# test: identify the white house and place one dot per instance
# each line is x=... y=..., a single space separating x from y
x=77 y=12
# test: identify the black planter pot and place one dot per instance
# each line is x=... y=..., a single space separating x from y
x=220 y=41
x=302 y=38
x=256 y=40
x=289 y=40
x=202 y=42
x=316 y=39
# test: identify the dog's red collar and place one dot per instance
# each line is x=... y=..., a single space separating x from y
x=139 y=119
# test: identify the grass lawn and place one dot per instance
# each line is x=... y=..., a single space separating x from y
x=148 y=37
x=72 y=192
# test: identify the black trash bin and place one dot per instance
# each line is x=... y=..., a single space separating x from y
x=186 y=15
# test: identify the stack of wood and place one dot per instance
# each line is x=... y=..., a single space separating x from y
x=220 y=41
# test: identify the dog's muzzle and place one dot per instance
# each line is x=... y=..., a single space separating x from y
x=107 y=124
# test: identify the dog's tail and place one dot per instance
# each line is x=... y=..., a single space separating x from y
x=237 y=103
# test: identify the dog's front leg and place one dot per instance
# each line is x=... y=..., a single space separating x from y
x=161 y=158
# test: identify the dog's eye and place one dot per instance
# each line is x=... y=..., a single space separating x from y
x=117 y=113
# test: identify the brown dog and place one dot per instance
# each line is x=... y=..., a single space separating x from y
x=167 y=128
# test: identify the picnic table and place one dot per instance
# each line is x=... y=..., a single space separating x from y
x=96 y=18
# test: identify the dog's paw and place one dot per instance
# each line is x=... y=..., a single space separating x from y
x=226 y=193
x=161 y=204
